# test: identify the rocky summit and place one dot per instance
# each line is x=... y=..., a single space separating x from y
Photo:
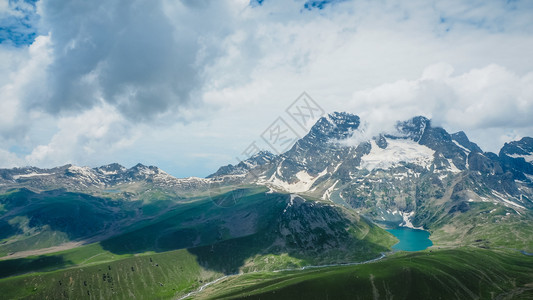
x=404 y=175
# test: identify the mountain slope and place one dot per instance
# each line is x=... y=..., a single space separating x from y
x=264 y=231
x=418 y=175
x=445 y=274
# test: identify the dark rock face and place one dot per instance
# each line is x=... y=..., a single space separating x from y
x=413 y=129
x=320 y=149
x=329 y=147
x=243 y=167
x=479 y=162
x=517 y=158
x=381 y=142
x=461 y=138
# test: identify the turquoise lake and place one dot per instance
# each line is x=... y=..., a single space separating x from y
x=411 y=239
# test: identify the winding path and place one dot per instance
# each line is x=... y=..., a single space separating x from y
x=281 y=270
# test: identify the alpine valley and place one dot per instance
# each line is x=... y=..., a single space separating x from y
x=309 y=223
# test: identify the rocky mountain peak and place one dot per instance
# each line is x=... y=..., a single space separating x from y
x=462 y=140
x=261 y=157
x=413 y=128
x=140 y=171
x=334 y=126
x=139 y=166
x=522 y=148
x=258 y=159
x=113 y=168
x=517 y=157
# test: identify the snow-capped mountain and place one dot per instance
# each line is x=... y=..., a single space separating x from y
x=75 y=178
x=405 y=175
x=395 y=176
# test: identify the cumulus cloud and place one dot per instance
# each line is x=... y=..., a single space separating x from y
x=160 y=81
x=491 y=99
x=143 y=57
x=84 y=138
x=23 y=75
x=13 y=159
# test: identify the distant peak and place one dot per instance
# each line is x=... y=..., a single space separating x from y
x=139 y=166
x=461 y=138
x=338 y=118
x=115 y=165
x=459 y=135
x=527 y=140
x=262 y=153
x=110 y=169
x=413 y=128
x=112 y=166
x=259 y=158
x=77 y=168
x=522 y=146
x=418 y=121
x=336 y=125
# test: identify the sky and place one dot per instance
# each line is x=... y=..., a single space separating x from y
x=189 y=85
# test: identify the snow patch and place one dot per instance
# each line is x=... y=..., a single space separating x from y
x=291 y=201
x=278 y=171
x=453 y=168
x=528 y=158
x=193 y=178
x=84 y=172
x=530 y=177
x=328 y=192
x=461 y=146
x=502 y=197
x=406 y=220
x=303 y=183
x=108 y=172
x=30 y=175
x=336 y=168
x=396 y=152
x=401 y=176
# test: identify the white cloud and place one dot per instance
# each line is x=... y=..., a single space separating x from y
x=10 y=160
x=24 y=74
x=160 y=82
x=491 y=99
x=85 y=138
x=4 y=7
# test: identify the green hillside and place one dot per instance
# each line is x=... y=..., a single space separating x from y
x=197 y=241
x=465 y=273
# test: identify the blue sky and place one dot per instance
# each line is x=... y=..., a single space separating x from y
x=19 y=27
x=188 y=85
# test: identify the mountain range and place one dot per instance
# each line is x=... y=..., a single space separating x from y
x=324 y=201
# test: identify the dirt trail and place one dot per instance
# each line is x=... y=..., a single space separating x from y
x=22 y=254
x=190 y=294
